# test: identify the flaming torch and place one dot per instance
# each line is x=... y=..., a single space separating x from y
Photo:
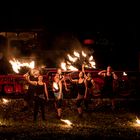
x=137 y=120
x=5 y=101
x=69 y=123
x=124 y=74
x=77 y=61
x=16 y=65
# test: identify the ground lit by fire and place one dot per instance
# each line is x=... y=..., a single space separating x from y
x=101 y=122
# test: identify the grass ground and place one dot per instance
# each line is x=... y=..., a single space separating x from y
x=99 y=122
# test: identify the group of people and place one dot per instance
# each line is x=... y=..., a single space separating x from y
x=85 y=85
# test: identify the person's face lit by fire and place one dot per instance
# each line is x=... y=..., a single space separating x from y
x=81 y=75
x=89 y=75
x=40 y=78
x=109 y=69
x=56 y=78
x=59 y=71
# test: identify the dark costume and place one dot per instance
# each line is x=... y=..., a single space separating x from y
x=81 y=90
x=39 y=101
x=107 y=90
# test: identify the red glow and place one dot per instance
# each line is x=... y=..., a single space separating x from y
x=88 y=41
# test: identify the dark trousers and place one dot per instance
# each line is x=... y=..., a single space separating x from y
x=39 y=103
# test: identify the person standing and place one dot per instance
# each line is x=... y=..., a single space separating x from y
x=109 y=76
x=58 y=94
x=40 y=96
x=90 y=87
x=28 y=98
x=82 y=92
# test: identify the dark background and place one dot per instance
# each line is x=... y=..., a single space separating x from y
x=113 y=34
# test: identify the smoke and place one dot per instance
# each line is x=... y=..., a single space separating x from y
x=63 y=44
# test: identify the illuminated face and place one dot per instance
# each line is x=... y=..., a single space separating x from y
x=88 y=75
x=109 y=69
x=80 y=74
x=59 y=71
x=56 y=78
x=40 y=78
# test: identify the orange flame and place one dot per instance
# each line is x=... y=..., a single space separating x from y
x=16 y=65
x=137 y=120
x=124 y=74
x=72 y=68
x=91 y=58
x=76 y=54
x=93 y=64
x=69 y=123
x=63 y=66
x=71 y=58
x=5 y=101
x=84 y=54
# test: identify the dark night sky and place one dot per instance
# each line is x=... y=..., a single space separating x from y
x=120 y=34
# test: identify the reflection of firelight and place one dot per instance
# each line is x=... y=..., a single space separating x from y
x=138 y=121
x=69 y=123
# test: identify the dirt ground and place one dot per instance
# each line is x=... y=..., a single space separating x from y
x=98 y=122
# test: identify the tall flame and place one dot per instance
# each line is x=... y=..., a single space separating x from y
x=91 y=58
x=16 y=65
x=84 y=54
x=63 y=66
x=76 y=54
x=137 y=120
x=71 y=58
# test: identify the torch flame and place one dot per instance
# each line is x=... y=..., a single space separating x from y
x=69 y=123
x=16 y=65
x=84 y=54
x=124 y=74
x=91 y=58
x=71 y=58
x=137 y=120
x=63 y=66
x=76 y=54
x=72 y=68
x=89 y=62
x=5 y=101
x=93 y=64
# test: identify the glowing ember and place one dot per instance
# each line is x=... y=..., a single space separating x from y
x=137 y=120
x=63 y=66
x=124 y=74
x=72 y=68
x=76 y=54
x=16 y=65
x=5 y=101
x=93 y=64
x=71 y=58
x=91 y=58
x=84 y=54
x=69 y=123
